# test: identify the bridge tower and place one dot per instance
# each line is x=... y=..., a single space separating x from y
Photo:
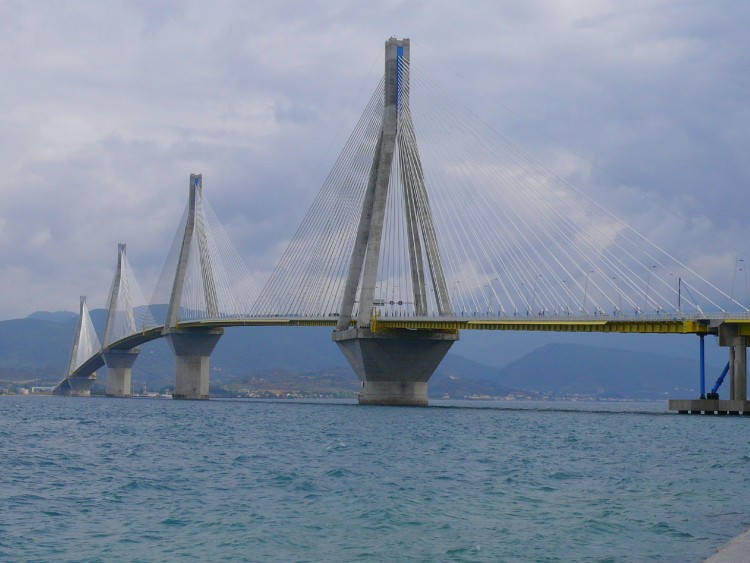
x=119 y=362
x=394 y=366
x=192 y=347
x=85 y=345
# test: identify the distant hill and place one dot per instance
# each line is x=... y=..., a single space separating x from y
x=33 y=349
x=57 y=316
x=37 y=349
x=569 y=369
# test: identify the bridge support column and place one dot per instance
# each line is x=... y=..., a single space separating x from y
x=192 y=351
x=737 y=371
x=75 y=386
x=737 y=345
x=119 y=365
x=394 y=367
x=740 y=368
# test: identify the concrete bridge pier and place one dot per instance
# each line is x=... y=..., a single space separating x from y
x=192 y=351
x=79 y=385
x=737 y=403
x=729 y=337
x=394 y=367
x=119 y=366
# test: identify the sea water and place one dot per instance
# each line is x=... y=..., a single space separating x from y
x=156 y=480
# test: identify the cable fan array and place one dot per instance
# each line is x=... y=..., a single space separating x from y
x=217 y=283
x=131 y=313
x=309 y=279
x=518 y=239
x=87 y=342
x=513 y=239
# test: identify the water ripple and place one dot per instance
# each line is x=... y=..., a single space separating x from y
x=241 y=480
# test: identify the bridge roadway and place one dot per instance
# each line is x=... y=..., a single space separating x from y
x=640 y=324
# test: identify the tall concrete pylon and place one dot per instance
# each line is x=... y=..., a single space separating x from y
x=119 y=362
x=394 y=366
x=85 y=345
x=192 y=347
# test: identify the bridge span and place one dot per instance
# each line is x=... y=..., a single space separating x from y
x=412 y=239
x=739 y=325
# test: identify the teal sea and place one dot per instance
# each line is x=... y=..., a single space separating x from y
x=159 y=480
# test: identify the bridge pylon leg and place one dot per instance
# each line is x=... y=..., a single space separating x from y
x=394 y=367
x=119 y=366
x=192 y=351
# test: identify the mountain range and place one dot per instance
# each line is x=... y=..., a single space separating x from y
x=275 y=360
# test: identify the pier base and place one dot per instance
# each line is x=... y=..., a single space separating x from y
x=706 y=406
x=394 y=366
x=119 y=366
x=192 y=351
x=76 y=386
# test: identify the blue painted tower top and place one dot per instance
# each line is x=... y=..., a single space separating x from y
x=396 y=71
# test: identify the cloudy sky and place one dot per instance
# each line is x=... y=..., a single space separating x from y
x=106 y=107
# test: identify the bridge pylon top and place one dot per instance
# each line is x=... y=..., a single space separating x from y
x=397 y=139
x=194 y=242
x=127 y=310
x=114 y=298
x=397 y=58
x=86 y=342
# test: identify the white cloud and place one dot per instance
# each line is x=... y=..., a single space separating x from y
x=108 y=107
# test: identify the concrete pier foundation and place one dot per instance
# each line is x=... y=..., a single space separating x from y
x=119 y=366
x=709 y=406
x=192 y=351
x=394 y=367
x=739 y=372
x=737 y=403
x=729 y=337
x=78 y=385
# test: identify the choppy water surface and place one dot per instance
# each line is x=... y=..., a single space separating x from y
x=98 y=479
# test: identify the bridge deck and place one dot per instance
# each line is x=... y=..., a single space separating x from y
x=667 y=326
x=550 y=324
x=616 y=324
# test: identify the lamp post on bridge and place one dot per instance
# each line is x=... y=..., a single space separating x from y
x=648 y=285
x=456 y=288
x=738 y=268
x=619 y=294
x=533 y=296
x=500 y=308
x=679 y=291
x=585 y=291
x=526 y=297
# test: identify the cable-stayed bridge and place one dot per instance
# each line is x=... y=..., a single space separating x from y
x=430 y=222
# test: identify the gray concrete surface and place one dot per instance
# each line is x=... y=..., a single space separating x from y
x=736 y=551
